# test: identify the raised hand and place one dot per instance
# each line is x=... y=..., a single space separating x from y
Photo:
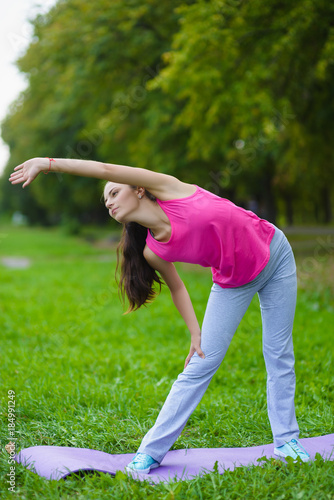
x=28 y=171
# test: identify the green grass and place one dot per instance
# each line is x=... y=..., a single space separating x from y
x=85 y=375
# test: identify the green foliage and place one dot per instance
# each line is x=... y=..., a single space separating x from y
x=85 y=375
x=233 y=95
x=87 y=69
x=252 y=79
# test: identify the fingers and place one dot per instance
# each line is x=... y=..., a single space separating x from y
x=200 y=353
x=16 y=178
x=16 y=173
x=24 y=173
x=191 y=353
x=187 y=361
x=188 y=358
x=16 y=181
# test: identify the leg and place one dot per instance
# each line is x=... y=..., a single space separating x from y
x=278 y=302
x=224 y=312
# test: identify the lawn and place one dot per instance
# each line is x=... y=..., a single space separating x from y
x=86 y=375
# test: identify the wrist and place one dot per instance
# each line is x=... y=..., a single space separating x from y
x=47 y=168
x=195 y=333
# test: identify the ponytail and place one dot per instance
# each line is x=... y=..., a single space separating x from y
x=137 y=277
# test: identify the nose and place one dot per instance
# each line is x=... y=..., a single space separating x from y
x=109 y=203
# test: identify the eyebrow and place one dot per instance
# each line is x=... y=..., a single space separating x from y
x=105 y=199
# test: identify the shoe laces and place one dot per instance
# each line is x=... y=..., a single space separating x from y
x=140 y=458
x=296 y=448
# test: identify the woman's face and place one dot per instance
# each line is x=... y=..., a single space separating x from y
x=121 y=200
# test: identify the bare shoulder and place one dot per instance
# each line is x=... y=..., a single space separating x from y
x=162 y=186
x=174 y=189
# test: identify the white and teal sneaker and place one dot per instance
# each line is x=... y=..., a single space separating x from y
x=292 y=449
x=142 y=463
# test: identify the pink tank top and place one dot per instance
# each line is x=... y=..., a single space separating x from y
x=214 y=232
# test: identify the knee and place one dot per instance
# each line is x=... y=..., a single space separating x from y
x=199 y=368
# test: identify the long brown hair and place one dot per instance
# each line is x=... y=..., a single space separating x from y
x=137 y=277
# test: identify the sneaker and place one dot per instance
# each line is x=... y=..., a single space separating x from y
x=292 y=449
x=142 y=463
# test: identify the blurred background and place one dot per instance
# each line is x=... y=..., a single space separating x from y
x=236 y=96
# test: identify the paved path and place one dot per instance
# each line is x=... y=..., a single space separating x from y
x=16 y=262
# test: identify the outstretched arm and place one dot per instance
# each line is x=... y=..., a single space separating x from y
x=180 y=298
x=158 y=184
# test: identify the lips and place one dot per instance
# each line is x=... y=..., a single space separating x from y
x=114 y=210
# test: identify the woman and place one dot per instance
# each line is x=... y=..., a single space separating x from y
x=166 y=220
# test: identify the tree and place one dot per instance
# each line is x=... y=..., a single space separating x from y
x=233 y=95
x=252 y=80
x=87 y=69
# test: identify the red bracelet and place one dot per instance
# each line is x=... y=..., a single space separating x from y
x=50 y=159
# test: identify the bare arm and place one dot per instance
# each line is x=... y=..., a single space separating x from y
x=160 y=185
x=180 y=298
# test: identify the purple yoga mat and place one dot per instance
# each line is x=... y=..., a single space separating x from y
x=57 y=462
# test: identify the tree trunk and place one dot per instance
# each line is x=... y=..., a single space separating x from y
x=269 y=197
x=327 y=207
x=288 y=209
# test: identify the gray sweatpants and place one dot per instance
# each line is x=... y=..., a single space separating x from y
x=276 y=286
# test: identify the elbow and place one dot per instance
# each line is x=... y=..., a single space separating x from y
x=107 y=172
x=177 y=288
